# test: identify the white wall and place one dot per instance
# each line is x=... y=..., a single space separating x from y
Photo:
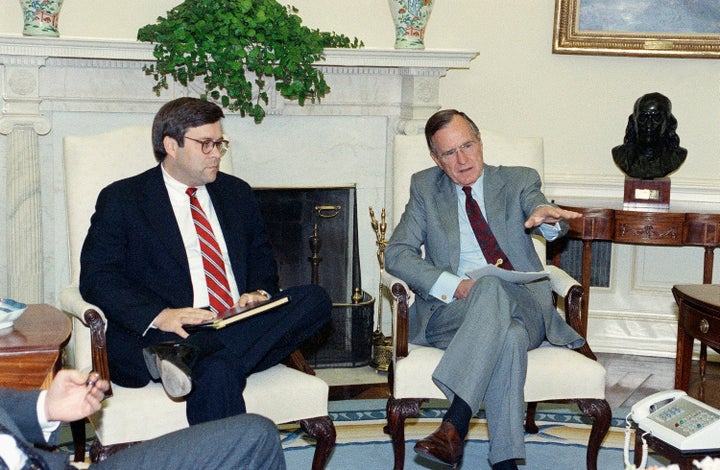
x=579 y=104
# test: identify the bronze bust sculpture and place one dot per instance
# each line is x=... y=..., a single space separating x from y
x=651 y=148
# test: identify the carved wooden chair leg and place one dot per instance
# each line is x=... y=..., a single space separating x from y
x=397 y=411
x=77 y=428
x=530 y=426
x=99 y=452
x=323 y=430
x=600 y=412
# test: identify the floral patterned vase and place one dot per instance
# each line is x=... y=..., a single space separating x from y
x=41 y=17
x=410 y=18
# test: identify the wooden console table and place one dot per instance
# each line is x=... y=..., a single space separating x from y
x=641 y=228
x=32 y=353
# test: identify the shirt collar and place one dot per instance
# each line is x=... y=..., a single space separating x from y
x=477 y=188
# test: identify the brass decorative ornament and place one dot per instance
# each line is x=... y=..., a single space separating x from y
x=382 y=346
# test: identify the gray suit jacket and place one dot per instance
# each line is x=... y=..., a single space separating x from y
x=431 y=221
x=18 y=415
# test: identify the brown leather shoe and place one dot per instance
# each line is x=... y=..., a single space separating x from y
x=444 y=445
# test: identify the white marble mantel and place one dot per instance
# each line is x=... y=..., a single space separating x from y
x=47 y=86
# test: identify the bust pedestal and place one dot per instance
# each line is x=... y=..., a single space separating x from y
x=651 y=195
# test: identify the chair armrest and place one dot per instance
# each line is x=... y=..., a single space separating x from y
x=567 y=287
x=92 y=317
x=561 y=281
x=296 y=360
x=73 y=303
x=401 y=296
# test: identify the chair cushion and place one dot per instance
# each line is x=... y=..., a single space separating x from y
x=280 y=393
x=284 y=394
x=137 y=414
x=554 y=373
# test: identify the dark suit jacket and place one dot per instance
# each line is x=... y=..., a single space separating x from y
x=430 y=220
x=18 y=414
x=133 y=261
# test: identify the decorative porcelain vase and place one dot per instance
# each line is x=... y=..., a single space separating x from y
x=41 y=17
x=410 y=18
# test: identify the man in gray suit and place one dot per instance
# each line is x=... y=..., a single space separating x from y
x=244 y=441
x=486 y=326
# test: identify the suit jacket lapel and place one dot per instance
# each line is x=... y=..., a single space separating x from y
x=447 y=205
x=156 y=207
x=496 y=205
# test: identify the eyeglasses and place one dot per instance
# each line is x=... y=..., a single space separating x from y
x=208 y=145
x=465 y=148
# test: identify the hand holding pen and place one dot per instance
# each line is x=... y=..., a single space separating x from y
x=73 y=395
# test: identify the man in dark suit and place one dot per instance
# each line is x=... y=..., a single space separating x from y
x=33 y=417
x=486 y=326
x=145 y=263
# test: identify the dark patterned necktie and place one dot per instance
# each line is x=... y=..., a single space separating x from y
x=487 y=241
x=213 y=264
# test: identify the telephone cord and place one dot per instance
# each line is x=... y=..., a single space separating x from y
x=626 y=450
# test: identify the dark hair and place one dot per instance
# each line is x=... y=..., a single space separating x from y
x=177 y=116
x=440 y=120
x=669 y=138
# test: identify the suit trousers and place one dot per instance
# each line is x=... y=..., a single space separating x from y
x=229 y=355
x=243 y=442
x=486 y=338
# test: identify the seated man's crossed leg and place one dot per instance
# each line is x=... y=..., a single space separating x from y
x=486 y=338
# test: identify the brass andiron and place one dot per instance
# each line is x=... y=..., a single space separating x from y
x=315 y=259
x=381 y=344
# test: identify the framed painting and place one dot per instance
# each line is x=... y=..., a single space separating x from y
x=659 y=28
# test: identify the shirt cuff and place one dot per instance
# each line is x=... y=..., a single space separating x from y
x=47 y=427
x=445 y=287
x=550 y=232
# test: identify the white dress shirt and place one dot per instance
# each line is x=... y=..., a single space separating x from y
x=181 y=207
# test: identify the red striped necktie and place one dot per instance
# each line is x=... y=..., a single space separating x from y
x=487 y=241
x=213 y=264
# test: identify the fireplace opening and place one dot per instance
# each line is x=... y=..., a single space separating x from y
x=314 y=236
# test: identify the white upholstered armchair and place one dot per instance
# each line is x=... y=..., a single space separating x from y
x=554 y=373
x=281 y=393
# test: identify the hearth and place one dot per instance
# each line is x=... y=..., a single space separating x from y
x=314 y=236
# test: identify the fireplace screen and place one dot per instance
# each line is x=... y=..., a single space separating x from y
x=314 y=237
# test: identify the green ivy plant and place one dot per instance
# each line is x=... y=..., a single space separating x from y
x=222 y=41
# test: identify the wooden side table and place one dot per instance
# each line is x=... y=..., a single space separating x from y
x=683 y=460
x=32 y=353
x=699 y=318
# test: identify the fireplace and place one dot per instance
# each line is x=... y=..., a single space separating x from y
x=314 y=236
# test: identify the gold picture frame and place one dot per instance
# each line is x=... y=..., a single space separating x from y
x=568 y=38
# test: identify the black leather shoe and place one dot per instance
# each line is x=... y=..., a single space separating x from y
x=443 y=446
x=505 y=465
x=171 y=364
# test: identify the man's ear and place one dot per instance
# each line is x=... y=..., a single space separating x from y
x=171 y=145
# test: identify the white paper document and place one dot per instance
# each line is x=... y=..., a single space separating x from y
x=518 y=277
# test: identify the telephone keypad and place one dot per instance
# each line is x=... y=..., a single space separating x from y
x=686 y=419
